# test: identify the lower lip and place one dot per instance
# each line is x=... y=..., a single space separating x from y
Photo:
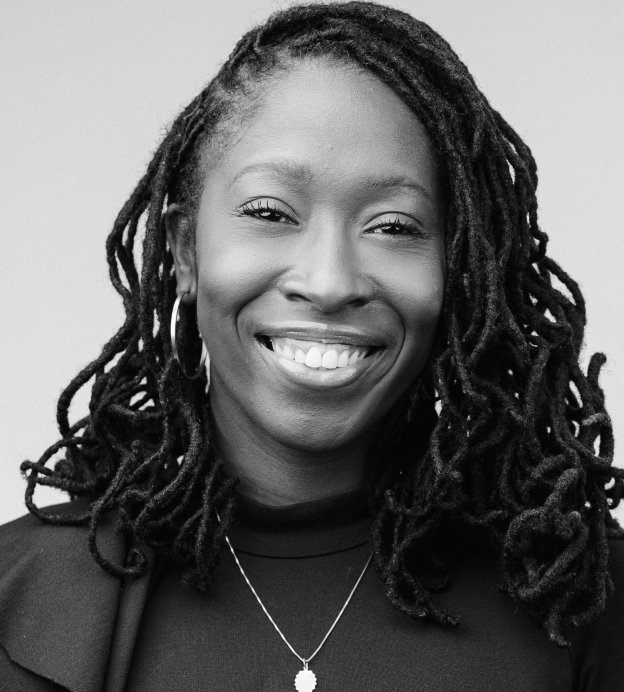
x=320 y=378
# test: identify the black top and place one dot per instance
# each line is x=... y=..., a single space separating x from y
x=62 y=618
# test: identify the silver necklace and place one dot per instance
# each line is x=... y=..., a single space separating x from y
x=305 y=680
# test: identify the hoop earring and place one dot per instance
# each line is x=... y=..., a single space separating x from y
x=204 y=360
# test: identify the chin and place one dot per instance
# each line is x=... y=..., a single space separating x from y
x=315 y=434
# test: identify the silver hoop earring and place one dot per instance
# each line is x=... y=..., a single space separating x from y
x=204 y=360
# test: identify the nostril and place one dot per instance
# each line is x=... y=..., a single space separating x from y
x=330 y=280
x=328 y=294
x=297 y=297
x=360 y=302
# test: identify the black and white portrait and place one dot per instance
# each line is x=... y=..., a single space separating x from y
x=312 y=371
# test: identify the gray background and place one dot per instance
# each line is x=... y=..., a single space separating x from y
x=88 y=88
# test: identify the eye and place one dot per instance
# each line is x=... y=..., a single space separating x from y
x=397 y=227
x=262 y=209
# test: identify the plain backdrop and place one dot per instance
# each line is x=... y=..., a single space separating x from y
x=87 y=89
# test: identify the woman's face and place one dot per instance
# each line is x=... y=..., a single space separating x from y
x=319 y=259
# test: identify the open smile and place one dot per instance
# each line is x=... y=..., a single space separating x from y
x=318 y=354
x=319 y=358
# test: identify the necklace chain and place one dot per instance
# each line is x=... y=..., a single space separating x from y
x=303 y=660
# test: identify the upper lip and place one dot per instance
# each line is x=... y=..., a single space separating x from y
x=322 y=333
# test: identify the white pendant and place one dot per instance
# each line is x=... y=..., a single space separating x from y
x=305 y=681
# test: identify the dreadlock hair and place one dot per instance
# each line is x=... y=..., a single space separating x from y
x=518 y=443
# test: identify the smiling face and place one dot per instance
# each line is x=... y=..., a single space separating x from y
x=319 y=260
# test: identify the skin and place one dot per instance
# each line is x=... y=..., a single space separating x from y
x=329 y=256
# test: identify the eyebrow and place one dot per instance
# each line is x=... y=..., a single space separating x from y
x=296 y=173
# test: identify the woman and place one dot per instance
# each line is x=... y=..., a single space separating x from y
x=390 y=471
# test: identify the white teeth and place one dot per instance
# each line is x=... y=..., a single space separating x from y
x=318 y=354
x=330 y=360
x=313 y=358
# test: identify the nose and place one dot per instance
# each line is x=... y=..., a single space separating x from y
x=327 y=272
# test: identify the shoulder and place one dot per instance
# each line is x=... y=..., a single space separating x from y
x=57 y=606
x=28 y=542
x=29 y=527
x=40 y=559
x=59 y=546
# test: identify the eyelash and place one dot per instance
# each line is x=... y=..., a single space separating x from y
x=254 y=211
x=260 y=207
x=405 y=229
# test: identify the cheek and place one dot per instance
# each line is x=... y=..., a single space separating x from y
x=419 y=302
x=426 y=303
x=230 y=274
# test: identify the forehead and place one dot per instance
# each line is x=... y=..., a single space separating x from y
x=338 y=121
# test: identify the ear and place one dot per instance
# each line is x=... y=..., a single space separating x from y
x=180 y=236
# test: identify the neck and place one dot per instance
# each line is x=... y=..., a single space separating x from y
x=277 y=475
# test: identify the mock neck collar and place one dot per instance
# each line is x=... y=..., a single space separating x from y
x=300 y=530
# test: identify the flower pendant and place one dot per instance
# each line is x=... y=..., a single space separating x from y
x=305 y=680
